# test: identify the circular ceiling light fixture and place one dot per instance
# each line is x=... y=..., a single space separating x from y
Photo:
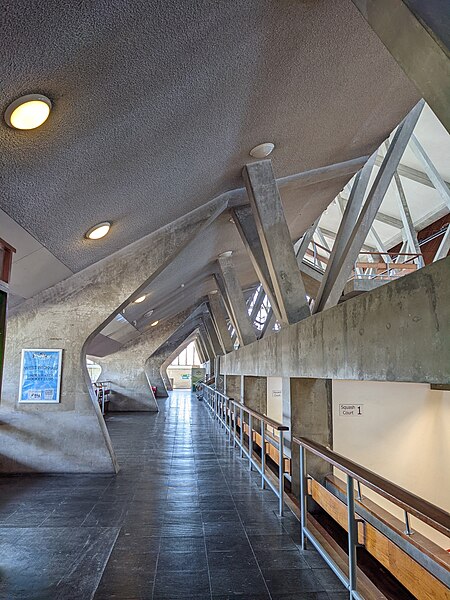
x=154 y=323
x=262 y=150
x=98 y=231
x=140 y=299
x=28 y=112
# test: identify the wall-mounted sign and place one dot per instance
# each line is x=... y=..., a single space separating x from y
x=276 y=393
x=351 y=410
x=185 y=376
x=40 y=375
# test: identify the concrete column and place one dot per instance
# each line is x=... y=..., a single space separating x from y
x=235 y=301
x=255 y=396
x=311 y=417
x=275 y=238
x=71 y=437
x=218 y=314
x=246 y=225
x=255 y=393
x=233 y=387
x=130 y=390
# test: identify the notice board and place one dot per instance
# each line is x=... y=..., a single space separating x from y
x=40 y=375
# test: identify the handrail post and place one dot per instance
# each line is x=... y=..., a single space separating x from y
x=234 y=424
x=241 y=434
x=281 y=474
x=303 y=498
x=263 y=454
x=352 y=535
x=250 y=441
x=408 y=529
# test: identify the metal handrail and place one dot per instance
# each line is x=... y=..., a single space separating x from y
x=425 y=511
x=225 y=411
x=410 y=503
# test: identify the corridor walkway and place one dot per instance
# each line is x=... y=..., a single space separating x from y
x=183 y=519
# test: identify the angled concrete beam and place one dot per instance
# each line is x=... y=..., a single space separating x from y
x=414 y=36
x=235 y=302
x=321 y=237
x=412 y=174
x=349 y=248
x=346 y=228
x=444 y=246
x=246 y=225
x=199 y=349
x=218 y=314
x=431 y=170
x=276 y=243
x=408 y=224
x=269 y=324
x=209 y=325
x=257 y=305
x=301 y=246
x=333 y=235
x=382 y=217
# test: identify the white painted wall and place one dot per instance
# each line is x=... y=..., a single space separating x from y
x=275 y=398
x=181 y=377
x=403 y=435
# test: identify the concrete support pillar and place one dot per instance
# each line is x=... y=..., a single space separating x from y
x=255 y=393
x=233 y=386
x=275 y=238
x=311 y=417
x=218 y=314
x=255 y=396
x=235 y=302
x=71 y=436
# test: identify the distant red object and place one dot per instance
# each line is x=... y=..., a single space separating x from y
x=154 y=389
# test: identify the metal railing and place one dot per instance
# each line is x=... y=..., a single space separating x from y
x=410 y=504
x=229 y=412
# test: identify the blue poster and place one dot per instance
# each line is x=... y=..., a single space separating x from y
x=40 y=375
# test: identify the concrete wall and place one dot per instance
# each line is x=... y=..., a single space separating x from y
x=71 y=436
x=311 y=417
x=403 y=434
x=398 y=332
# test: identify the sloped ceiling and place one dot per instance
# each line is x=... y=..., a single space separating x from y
x=157 y=104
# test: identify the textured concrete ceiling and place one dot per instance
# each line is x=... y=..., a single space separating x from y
x=157 y=104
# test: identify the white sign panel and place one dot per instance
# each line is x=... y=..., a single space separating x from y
x=351 y=410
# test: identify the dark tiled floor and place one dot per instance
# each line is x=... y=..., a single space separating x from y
x=184 y=519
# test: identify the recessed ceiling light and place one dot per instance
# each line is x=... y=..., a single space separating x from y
x=28 y=112
x=98 y=231
x=140 y=299
x=262 y=150
x=182 y=285
x=154 y=323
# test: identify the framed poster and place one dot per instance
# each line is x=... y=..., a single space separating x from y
x=40 y=375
